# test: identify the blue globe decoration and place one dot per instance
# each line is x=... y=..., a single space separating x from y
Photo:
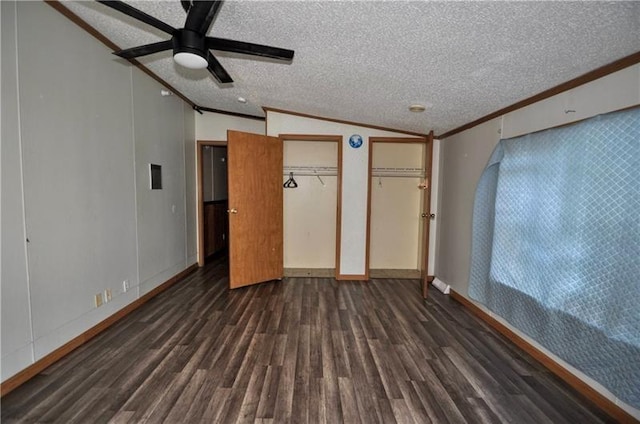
x=355 y=141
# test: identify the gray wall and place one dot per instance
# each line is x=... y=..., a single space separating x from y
x=207 y=174
x=219 y=174
x=463 y=158
x=214 y=173
x=16 y=319
x=79 y=130
x=190 y=180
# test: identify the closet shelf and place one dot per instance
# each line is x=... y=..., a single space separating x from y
x=398 y=172
x=311 y=171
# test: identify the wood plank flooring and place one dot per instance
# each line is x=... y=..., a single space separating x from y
x=302 y=350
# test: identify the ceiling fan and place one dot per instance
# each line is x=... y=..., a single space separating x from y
x=190 y=44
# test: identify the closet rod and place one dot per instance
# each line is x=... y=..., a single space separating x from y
x=311 y=171
x=311 y=174
x=308 y=167
x=398 y=172
x=398 y=175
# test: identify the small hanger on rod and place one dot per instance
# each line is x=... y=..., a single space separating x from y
x=290 y=183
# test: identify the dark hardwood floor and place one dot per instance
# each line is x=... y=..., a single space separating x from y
x=302 y=350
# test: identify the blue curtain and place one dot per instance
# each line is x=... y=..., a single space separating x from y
x=556 y=244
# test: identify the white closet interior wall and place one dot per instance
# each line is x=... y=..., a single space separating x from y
x=396 y=206
x=310 y=209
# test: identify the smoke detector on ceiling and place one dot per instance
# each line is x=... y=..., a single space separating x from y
x=417 y=108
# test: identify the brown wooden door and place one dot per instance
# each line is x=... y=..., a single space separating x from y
x=426 y=215
x=255 y=208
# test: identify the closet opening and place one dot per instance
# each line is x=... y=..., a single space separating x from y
x=312 y=166
x=399 y=207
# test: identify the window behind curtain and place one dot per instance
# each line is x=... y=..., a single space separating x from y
x=556 y=244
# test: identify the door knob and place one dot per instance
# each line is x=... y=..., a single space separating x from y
x=232 y=210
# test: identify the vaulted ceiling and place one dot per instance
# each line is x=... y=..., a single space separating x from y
x=367 y=61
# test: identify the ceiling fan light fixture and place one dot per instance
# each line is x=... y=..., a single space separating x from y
x=190 y=60
x=189 y=49
x=191 y=46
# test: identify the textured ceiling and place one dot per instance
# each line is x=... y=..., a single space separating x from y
x=366 y=61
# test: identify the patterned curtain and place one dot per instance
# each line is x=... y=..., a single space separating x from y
x=556 y=244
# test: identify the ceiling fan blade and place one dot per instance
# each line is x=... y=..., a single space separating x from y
x=139 y=15
x=225 y=45
x=145 y=50
x=201 y=14
x=186 y=4
x=217 y=70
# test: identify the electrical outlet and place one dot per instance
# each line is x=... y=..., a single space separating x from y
x=98 y=300
x=125 y=286
x=107 y=295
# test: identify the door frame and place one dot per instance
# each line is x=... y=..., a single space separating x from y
x=200 y=195
x=428 y=142
x=336 y=139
